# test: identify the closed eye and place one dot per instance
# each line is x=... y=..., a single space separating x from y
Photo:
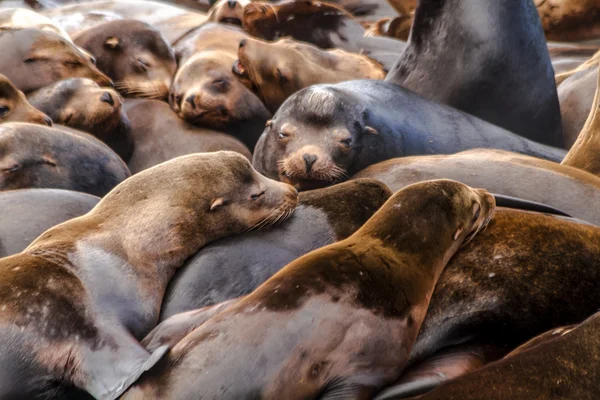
x=282 y=79
x=14 y=168
x=73 y=63
x=257 y=196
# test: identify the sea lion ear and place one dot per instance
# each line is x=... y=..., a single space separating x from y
x=216 y=203
x=112 y=42
x=457 y=233
x=370 y=130
x=269 y=123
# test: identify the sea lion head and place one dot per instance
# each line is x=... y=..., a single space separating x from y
x=205 y=92
x=81 y=104
x=134 y=54
x=37 y=58
x=313 y=140
x=228 y=11
x=279 y=69
x=15 y=107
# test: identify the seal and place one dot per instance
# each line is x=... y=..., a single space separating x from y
x=81 y=294
x=559 y=367
x=569 y=21
x=205 y=92
x=234 y=267
x=134 y=55
x=27 y=213
x=159 y=135
x=14 y=106
x=502 y=289
x=341 y=319
x=208 y=37
x=565 y=188
x=486 y=58
x=81 y=104
x=279 y=69
x=36 y=156
x=324 y=133
x=228 y=11
x=33 y=58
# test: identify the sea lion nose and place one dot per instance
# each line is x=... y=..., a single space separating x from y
x=107 y=98
x=309 y=159
x=190 y=99
x=242 y=43
x=231 y=3
x=47 y=120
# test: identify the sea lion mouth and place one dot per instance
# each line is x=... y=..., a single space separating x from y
x=239 y=69
x=231 y=20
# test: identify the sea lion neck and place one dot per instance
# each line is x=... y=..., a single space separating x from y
x=585 y=153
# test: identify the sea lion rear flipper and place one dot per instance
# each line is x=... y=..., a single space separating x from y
x=113 y=368
x=429 y=374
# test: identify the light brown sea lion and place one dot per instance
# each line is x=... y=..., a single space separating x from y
x=338 y=321
x=27 y=213
x=36 y=156
x=569 y=20
x=81 y=104
x=565 y=188
x=208 y=37
x=159 y=135
x=14 y=106
x=277 y=70
x=75 y=301
x=33 y=58
x=133 y=54
x=228 y=11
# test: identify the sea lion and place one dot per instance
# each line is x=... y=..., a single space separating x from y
x=82 y=104
x=205 y=92
x=79 y=296
x=279 y=69
x=325 y=133
x=584 y=153
x=159 y=135
x=14 y=106
x=24 y=18
x=398 y=27
x=569 y=21
x=234 y=267
x=134 y=55
x=562 y=366
x=228 y=11
x=566 y=188
x=33 y=58
x=487 y=58
x=339 y=320
x=36 y=156
x=506 y=286
x=210 y=36
x=25 y=214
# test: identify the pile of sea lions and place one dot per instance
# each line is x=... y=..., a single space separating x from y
x=298 y=199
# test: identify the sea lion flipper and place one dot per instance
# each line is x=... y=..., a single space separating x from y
x=111 y=380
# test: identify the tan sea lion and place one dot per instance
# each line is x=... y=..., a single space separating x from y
x=36 y=156
x=81 y=104
x=208 y=37
x=228 y=11
x=14 y=106
x=279 y=69
x=338 y=321
x=79 y=296
x=133 y=54
x=569 y=20
x=33 y=58
x=159 y=135
x=27 y=213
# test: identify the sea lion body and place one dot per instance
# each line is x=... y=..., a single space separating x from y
x=487 y=58
x=133 y=54
x=339 y=320
x=324 y=133
x=81 y=104
x=279 y=69
x=35 y=156
x=525 y=274
x=27 y=213
x=159 y=135
x=24 y=18
x=234 y=267
x=33 y=58
x=78 y=297
x=566 y=188
x=14 y=106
